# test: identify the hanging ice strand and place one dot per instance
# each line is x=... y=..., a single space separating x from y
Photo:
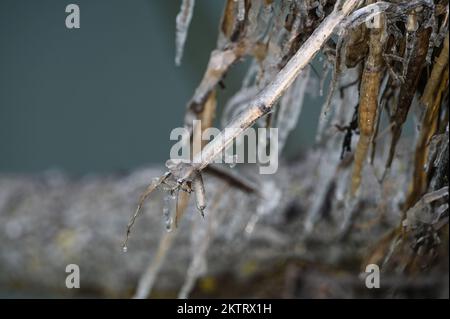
x=169 y=209
x=183 y=21
x=241 y=10
x=271 y=197
x=200 y=197
x=290 y=108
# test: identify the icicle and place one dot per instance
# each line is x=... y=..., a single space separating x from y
x=330 y=181
x=330 y=176
x=318 y=203
x=325 y=72
x=277 y=37
x=183 y=20
x=169 y=209
x=200 y=196
x=290 y=108
x=201 y=238
x=258 y=19
x=148 y=279
x=271 y=199
x=241 y=10
x=350 y=209
x=200 y=241
x=324 y=119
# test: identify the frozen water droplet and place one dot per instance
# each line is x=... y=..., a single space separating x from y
x=124 y=248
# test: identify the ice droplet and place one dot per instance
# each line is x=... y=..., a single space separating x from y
x=124 y=248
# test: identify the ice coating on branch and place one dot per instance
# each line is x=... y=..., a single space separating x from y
x=183 y=21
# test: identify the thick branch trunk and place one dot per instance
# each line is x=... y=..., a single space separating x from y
x=49 y=221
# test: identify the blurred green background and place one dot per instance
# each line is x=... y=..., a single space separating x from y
x=103 y=98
